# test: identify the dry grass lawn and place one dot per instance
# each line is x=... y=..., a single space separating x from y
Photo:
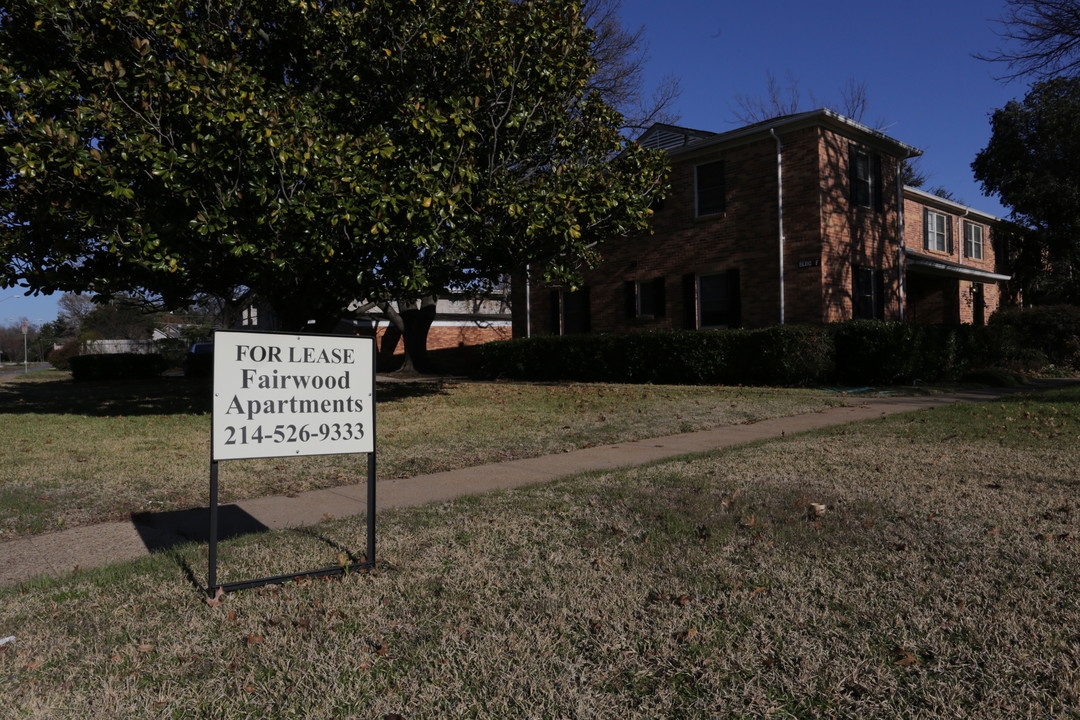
x=939 y=581
x=78 y=453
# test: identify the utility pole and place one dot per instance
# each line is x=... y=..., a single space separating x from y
x=25 y=354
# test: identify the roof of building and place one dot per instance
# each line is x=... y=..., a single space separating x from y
x=928 y=198
x=927 y=265
x=677 y=140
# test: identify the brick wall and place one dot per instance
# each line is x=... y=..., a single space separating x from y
x=442 y=337
x=960 y=306
x=856 y=235
x=824 y=237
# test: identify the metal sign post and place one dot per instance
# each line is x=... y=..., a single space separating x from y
x=288 y=395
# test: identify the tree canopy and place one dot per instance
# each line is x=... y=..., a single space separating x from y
x=310 y=152
x=1031 y=164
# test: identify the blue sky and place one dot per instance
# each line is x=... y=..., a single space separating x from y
x=915 y=58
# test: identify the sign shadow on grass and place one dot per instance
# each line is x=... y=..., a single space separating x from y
x=169 y=529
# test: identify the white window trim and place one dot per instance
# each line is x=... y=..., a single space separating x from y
x=933 y=233
x=977 y=249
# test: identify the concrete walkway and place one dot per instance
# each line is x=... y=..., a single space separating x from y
x=96 y=545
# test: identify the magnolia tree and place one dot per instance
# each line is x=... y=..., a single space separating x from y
x=311 y=153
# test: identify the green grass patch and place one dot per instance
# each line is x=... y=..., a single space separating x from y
x=938 y=581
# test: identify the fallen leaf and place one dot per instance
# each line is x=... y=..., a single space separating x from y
x=686 y=635
x=253 y=640
x=35 y=664
x=215 y=599
x=146 y=647
x=905 y=658
x=815 y=510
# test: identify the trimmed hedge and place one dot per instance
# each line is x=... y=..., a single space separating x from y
x=860 y=352
x=1050 y=333
x=118 y=366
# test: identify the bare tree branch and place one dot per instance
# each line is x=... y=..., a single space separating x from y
x=621 y=54
x=1042 y=39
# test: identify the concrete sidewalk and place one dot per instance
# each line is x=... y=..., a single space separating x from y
x=96 y=545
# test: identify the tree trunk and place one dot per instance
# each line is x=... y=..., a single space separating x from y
x=413 y=320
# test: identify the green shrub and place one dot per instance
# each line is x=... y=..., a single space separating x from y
x=1052 y=330
x=777 y=356
x=858 y=352
x=60 y=357
x=117 y=366
x=173 y=350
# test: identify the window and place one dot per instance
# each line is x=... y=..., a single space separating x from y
x=937 y=231
x=576 y=312
x=710 y=188
x=973 y=241
x=718 y=300
x=864 y=168
x=570 y=312
x=868 y=293
x=645 y=298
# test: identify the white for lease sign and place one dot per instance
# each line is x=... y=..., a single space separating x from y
x=278 y=394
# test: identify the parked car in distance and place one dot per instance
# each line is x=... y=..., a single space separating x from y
x=199 y=361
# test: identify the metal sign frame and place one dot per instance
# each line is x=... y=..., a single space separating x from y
x=212 y=561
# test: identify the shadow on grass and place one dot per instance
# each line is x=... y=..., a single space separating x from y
x=156 y=396
x=1045 y=390
x=167 y=530
x=64 y=396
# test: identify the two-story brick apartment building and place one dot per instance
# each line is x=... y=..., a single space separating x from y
x=799 y=219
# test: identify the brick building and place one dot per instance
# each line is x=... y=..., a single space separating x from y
x=799 y=219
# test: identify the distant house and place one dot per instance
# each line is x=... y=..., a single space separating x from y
x=799 y=219
x=461 y=321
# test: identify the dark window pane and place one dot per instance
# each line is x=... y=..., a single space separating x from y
x=576 y=312
x=710 y=188
x=868 y=293
x=718 y=300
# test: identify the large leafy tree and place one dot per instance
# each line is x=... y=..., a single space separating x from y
x=311 y=153
x=1031 y=163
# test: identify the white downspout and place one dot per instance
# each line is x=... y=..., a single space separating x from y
x=901 y=287
x=780 y=213
x=961 y=238
x=528 y=301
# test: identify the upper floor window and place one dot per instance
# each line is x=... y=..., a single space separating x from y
x=864 y=167
x=709 y=186
x=937 y=231
x=973 y=241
